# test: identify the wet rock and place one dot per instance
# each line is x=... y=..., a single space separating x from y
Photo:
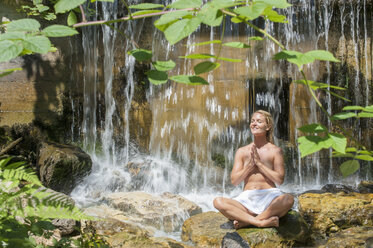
x=212 y=229
x=61 y=167
x=66 y=226
x=335 y=188
x=329 y=213
x=165 y=212
x=351 y=237
x=365 y=187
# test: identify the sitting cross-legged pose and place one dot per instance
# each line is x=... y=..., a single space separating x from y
x=261 y=166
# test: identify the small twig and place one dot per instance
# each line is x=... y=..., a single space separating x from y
x=10 y=146
x=128 y=8
x=83 y=14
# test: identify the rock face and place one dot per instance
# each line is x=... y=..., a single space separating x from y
x=212 y=229
x=329 y=213
x=351 y=237
x=119 y=232
x=61 y=167
x=166 y=212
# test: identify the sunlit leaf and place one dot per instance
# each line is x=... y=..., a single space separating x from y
x=349 y=167
x=9 y=71
x=191 y=80
x=206 y=43
x=65 y=5
x=365 y=152
x=205 y=66
x=343 y=115
x=164 y=65
x=197 y=56
x=252 y=11
x=12 y=36
x=313 y=128
x=219 y=4
x=30 y=25
x=322 y=55
x=157 y=77
x=141 y=54
x=181 y=29
x=312 y=144
x=364 y=157
x=144 y=12
x=338 y=96
x=369 y=108
x=58 y=31
x=146 y=6
x=342 y=155
x=236 y=44
x=281 y=4
x=238 y=19
x=229 y=59
x=353 y=108
x=256 y=38
x=365 y=115
x=340 y=142
x=316 y=85
x=37 y=44
x=9 y=50
x=71 y=18
x=301 y=59
x=351 y=149
x=170 y=17
x=184 y=4
x=210 y=15
x=273 y=16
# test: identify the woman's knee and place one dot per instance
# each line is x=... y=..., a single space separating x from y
x=219 y=203
x=289 y=200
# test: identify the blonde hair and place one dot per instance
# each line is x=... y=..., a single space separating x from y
x=269 y=120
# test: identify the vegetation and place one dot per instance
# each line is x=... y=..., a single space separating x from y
x=177 y=21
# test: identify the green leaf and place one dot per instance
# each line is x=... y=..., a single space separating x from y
x=366 y=152
x=364 y=157
x=229 y=59
x=338 y=96
x=210 y=15
x=71 y=18
x=58 y=31
x=185 y=4
x=342 y=155
x=280 y=4
x=198 y=56
x=252 y=11
x=349 y=167
x=365 y=115
x=164 y=65
x=340 y=142
x=236 y=44
x=220 y=4
x=181 y=29
x=141 y=54
x=312 y=144
x=146 y=6
x=157 y=77
x=28 y=25
x=65 y=5
x=322 y=55
x=9 y=71
x=144 y=12
x=170 y=17
x=205 y=66
x=206 y=43
x=274 y=16
x=351 y=149
x=353 y=108
x=12 y=36
x=316 y=85
x=369 y=108
x=294 y=57
x=191 y=80
x=238 y=19
x=37 y=44
x=9 y=50
x=256 y=38
x=313 y=128
x=343 y=116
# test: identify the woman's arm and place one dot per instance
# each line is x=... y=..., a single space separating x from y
x=240 y=170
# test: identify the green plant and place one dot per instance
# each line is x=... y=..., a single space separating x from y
x=27 y=207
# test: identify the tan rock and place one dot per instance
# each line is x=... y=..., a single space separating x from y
x=351 y=237
x=166 y=212
x=328 y=213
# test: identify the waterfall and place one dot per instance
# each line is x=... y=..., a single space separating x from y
x=195 y=130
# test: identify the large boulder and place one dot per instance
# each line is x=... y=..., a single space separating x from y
x=329 y=213
x=166 y=212
x=212 y=229
x=120 y=232
x=61 y=167
x=360 y=236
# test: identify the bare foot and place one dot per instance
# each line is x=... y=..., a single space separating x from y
x=270 y=222
x=238 y=224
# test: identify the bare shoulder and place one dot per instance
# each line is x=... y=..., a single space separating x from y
x=244 y=149
x=275 y=149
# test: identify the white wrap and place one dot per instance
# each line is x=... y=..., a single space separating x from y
x=258 y=200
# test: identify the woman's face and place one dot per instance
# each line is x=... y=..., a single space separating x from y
x=258 y=124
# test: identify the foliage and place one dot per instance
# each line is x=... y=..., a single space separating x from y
x=180 y=19
x=27 y=207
